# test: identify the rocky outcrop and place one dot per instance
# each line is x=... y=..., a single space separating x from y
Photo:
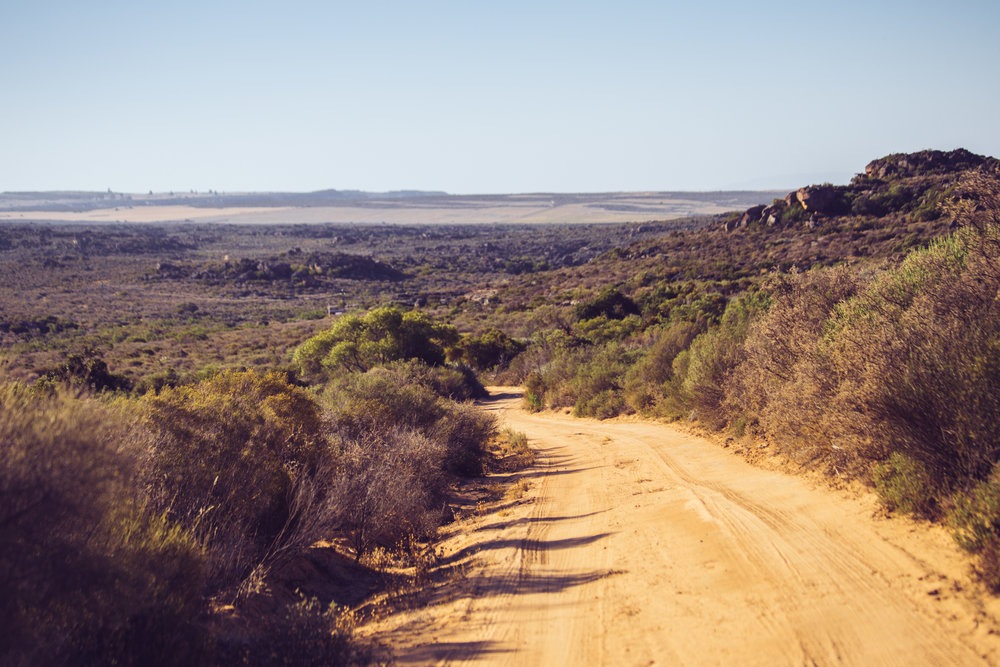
x=824 y=199
x=899 y=184
x=772 y=214
x=906 y=165
x=751 y=216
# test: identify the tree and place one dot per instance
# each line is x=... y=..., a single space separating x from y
x=491 y=349
x=383 y=335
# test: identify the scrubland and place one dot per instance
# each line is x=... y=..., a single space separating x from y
x=182 y=422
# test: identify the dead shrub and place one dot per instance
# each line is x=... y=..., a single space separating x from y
x=381 y=488
x=511 y=451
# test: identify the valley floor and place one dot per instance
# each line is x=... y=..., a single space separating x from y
x=637 y=544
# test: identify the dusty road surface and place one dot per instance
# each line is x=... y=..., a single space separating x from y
x=638 y=544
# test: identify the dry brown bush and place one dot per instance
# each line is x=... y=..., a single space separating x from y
x=87 y=574
x=225 y=456
x=380 y=488
x=784 y=381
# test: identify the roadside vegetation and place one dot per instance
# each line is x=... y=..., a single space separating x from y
x=133 y=521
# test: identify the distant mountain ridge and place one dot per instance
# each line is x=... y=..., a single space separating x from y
x=70 y=200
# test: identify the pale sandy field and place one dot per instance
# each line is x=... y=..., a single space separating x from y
x=642 y=207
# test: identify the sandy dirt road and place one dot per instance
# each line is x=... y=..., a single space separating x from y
x=638 y=544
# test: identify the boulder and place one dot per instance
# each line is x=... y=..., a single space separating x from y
x=771 y=214
x=818 y=198
x=752 y=215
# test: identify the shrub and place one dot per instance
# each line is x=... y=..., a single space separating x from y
x=975 y=522
x=465 y=432
x=358 y=343
x=384 y=485
x=302 y=633
x=226 y=452
x=919 y=359
x=704 y=371
x=597 y=384
x=491 y=349
x=90 y=576
x=511 y=451
x=381 y=400
x=457 y=383
x=87 y=370
x=602 y=329
x=786 y=380
x=645 y=382
x=378 y=401
x=534 y=393
x=610 y=303
x=904 y=484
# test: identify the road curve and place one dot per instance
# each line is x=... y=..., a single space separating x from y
x=645 y=545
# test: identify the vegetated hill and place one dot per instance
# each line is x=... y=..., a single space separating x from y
x=895 y=205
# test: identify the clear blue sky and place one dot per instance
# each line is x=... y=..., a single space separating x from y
x=474 y=97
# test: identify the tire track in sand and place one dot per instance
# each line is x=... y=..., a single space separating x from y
x=644 y=545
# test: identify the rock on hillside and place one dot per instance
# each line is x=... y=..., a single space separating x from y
x=924 y=163
x=910 y=184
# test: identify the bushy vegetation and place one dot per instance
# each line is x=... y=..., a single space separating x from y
x=91 y=574
x=127 y=518
x=383 y=335
x=225 y=455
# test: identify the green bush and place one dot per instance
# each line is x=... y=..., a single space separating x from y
x=904 y=484
x=975 y=522
x=457 y=383
x=917 y=355
x=597 y=384
x=383 y=335
x=646 y=381
x=492 y=349
x=609 y=303
x=534 y=393
x=713 y=356
x=88 y=370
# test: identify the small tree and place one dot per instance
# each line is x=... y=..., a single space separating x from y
x=383 y=335
x=491 y=349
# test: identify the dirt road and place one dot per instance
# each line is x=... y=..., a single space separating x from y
x=638 y=544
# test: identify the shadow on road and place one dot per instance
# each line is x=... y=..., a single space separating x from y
x=536 y=519
x=524 y=544
x=435 y=652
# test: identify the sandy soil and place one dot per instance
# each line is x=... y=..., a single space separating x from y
x=638 y=544
x=519 y=212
